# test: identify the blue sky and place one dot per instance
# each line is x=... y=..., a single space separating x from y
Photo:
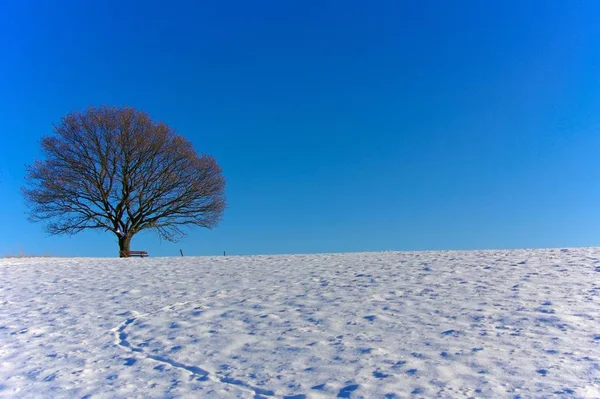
x=339 y=125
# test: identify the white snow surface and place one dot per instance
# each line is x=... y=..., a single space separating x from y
x=451 y=324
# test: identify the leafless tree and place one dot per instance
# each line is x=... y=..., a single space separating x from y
x=114 y=169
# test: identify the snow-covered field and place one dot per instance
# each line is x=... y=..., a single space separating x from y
x=523 y=323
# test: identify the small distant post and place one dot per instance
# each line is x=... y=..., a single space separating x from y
x=181 y=252
x=223 y=253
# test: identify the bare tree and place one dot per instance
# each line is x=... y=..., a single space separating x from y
x=114 y=169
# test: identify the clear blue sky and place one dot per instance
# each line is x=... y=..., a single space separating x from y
x=340 y=125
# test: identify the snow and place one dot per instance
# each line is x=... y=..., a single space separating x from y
x=521 y=323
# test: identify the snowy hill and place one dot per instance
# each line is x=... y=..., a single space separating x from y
x=523 y=323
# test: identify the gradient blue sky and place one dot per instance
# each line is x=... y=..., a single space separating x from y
x=340 y=125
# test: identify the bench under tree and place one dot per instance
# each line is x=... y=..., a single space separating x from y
x=127 y=254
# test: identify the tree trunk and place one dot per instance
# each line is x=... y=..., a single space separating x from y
x=124 y=243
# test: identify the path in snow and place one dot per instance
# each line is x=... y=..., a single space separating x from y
x=121 y=339
x=368 y=325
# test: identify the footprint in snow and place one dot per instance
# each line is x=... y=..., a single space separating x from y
x=546 y=310
x=399 y=364
x=347 y=390
x=380 y=375
x=565 y=391
x=129 y=361
x=451 y=333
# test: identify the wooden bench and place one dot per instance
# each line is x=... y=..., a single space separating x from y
x=127 y=254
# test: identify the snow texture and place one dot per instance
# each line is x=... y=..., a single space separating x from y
x=489 y=324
